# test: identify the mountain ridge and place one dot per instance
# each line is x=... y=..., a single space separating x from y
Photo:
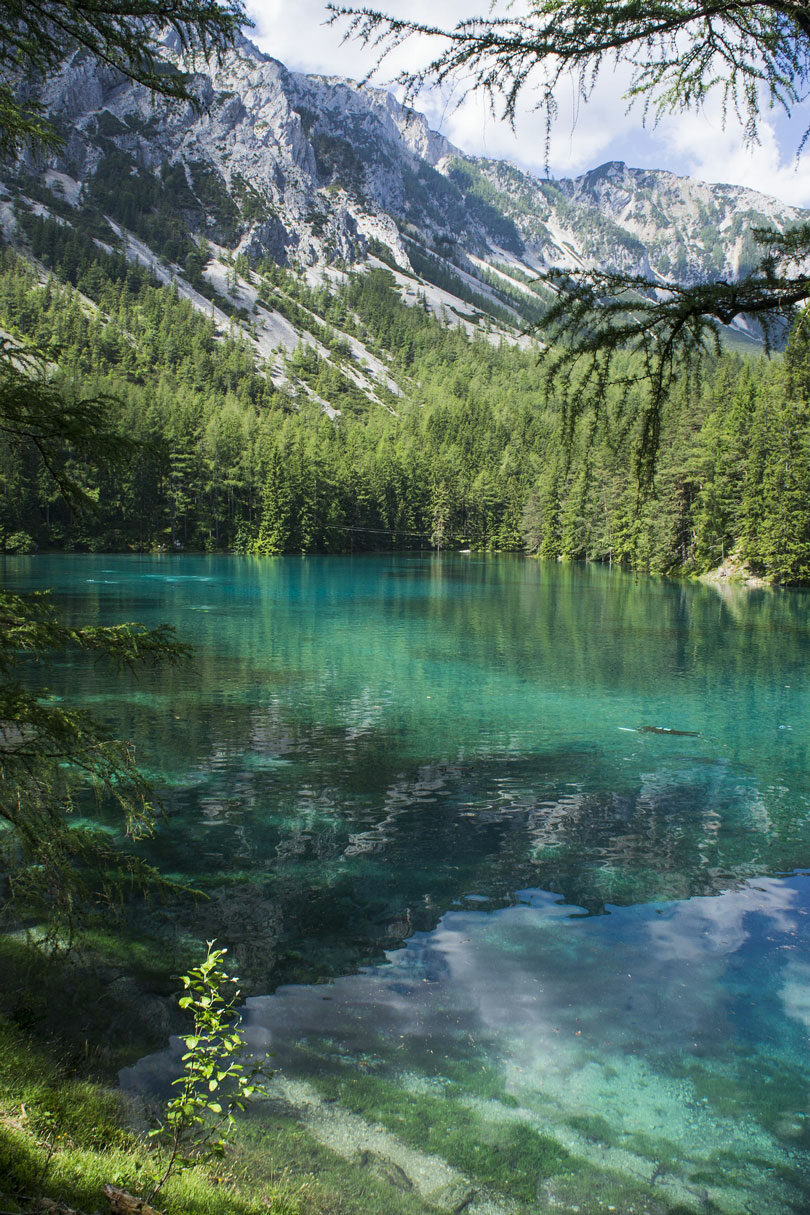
x=319 y=167
x=320 y=322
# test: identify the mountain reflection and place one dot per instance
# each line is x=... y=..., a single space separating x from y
x=361 y=745
x=317 y=879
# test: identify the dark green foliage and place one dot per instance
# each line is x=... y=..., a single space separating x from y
x=63 y=1137
x=51 y=756
x=149 y=204
x=211 y=191
x=480 y=196
x=438 y=271
x=162 y=207
x=678 y=55
x=218 y=1078
x=469 y=455
x=60 y=441
x=337 y=161
x=599 y=317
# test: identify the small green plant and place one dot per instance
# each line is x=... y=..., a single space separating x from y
x=217 y=1078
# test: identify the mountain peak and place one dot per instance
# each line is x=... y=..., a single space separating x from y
x=321 y=171
x=611 y=168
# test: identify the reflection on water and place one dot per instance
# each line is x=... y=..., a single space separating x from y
x=661 y=1049
x=574 y=794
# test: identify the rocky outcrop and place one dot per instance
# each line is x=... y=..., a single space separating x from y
x=734 y=573
x=319 y=171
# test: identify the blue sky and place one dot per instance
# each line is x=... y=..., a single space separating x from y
x=695 y=144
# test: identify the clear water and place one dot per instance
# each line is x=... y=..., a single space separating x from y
x=527 y=943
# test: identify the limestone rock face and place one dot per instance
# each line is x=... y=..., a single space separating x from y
x=319 y=171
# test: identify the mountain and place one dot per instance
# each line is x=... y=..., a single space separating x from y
x=321 y=173
x=310 y=316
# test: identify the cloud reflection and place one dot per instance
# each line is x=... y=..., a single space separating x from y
x=670 y=1026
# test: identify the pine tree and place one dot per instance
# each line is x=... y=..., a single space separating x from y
x=49 y=752
x=784 y=534
x=679 y=55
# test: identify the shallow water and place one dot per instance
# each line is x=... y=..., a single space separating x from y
x=561 y=954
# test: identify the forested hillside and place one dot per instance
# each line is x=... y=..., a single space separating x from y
x=315 y=322
x=457 y=443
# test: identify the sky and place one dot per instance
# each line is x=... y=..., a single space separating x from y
x=584 y=135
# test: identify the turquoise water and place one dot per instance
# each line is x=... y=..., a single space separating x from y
x=520 y=935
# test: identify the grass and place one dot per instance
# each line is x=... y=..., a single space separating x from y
x=64 y=1137
x=67 y=1024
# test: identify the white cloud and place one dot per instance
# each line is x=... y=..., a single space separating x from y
x=300 y=37
x=715 y=154
x=717 y=925
x=583 y=136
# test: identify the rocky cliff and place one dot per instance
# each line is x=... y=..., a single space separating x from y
x=320 y=173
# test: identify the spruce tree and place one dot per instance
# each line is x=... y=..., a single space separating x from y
x=679 y=54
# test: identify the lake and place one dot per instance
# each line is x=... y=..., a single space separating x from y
x=515 y=857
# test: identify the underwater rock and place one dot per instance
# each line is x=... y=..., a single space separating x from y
x=386 y=1170
x=456 y=1197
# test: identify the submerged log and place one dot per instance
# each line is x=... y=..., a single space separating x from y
x=666 y=730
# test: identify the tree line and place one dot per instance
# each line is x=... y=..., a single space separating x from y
x=470 y=454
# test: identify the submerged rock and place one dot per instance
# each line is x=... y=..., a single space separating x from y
x=386 y=1170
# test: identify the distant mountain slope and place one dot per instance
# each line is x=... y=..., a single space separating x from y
x=318 y=173
x=316 y=166
x=315 y=317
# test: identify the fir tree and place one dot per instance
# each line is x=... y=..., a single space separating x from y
x=679 y=54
